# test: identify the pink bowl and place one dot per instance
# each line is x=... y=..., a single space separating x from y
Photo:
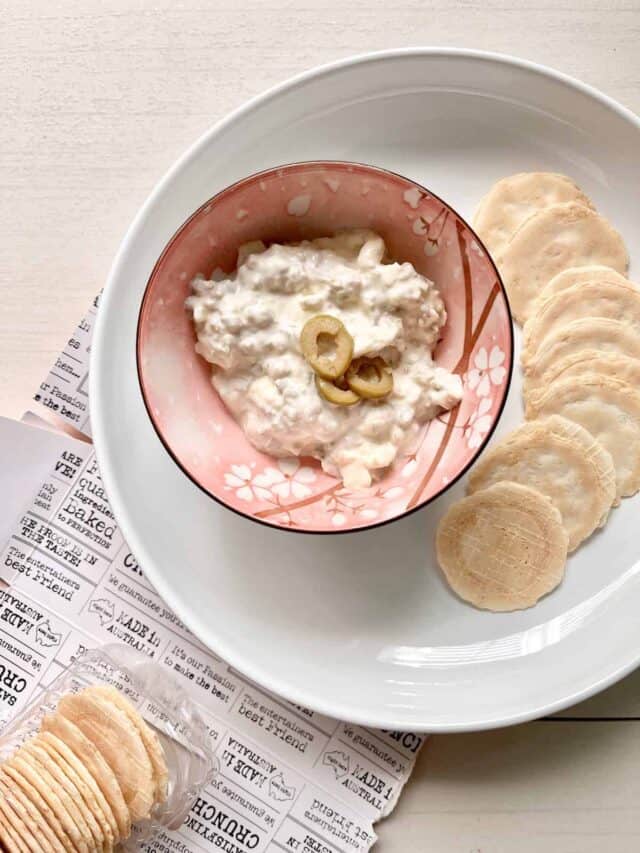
x=307 y=200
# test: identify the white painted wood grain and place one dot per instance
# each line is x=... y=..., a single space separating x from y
x=98 y=98
x=547 y=787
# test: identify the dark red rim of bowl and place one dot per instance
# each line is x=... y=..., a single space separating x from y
x=271 y=525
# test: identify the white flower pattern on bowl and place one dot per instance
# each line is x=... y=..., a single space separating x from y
x=488 y=370
x=289 y=479
x=240 y=480
x=479 y=422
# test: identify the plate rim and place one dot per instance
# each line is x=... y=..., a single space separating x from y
x=289 y=692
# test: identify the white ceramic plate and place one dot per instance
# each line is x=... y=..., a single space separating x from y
x=363 y=626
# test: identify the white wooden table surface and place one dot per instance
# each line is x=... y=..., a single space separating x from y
x=98 y=98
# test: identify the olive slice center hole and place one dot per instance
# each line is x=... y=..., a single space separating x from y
x=326 y=345
x=369 y=372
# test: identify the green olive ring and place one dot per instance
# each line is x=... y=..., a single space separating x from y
x=333 y=393
x=333 y=366
x=370 y=378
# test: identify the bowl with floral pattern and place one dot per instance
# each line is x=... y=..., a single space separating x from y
x=289 y=204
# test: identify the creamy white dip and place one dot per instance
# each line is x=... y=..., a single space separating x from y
x=248 y=327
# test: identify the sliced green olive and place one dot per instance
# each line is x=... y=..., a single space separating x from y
x=326 y=345
x=370 y=377
x=332 y=392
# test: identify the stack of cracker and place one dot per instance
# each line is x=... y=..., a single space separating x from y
x=548 y=485
x=93 y=770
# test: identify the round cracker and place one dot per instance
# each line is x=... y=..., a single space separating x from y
x=9 y=838
x=502 y=548
x=609 y=301
x=588 y=361
x=561 y=460
x=23 y=835
x=513 y=200
x=48 y=814
x=590 y=333
x=583 y=275
x=609 y=409
x=118 y=740
x=555 y=238
x=39 y=776
x=85 y=783
x=149 y=737
x=40 y=817
x=73 y=802
x=97 y=767
x=26 y=824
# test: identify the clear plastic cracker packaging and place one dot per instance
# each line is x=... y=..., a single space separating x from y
x=57 y=790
